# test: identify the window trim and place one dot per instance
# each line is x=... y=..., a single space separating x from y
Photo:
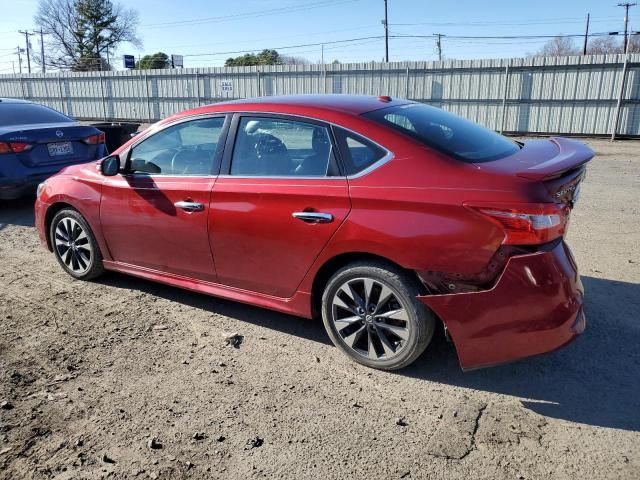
x=217 y=158
x=388 y=155
x=334 y=162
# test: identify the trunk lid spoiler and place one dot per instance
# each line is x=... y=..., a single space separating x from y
x=542 y=159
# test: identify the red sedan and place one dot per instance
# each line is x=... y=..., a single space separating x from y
x=384 y=216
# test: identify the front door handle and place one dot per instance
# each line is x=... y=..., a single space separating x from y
x=313 y=217
x=189 y=206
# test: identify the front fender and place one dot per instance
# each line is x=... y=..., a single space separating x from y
x=81 y=194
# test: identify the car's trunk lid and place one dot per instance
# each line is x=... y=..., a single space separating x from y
x=557 y=163
x=53 y=143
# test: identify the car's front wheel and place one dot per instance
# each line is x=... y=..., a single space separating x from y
x=371 y=313
x=75 y=246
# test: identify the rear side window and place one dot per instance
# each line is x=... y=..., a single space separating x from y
x=28 y=113
x=267 y=147
x=445 y=132
x=357 y=152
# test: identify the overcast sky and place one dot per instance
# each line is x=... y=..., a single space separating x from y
x=220 y=26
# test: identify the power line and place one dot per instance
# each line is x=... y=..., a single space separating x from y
x=286 y=47
x=254 y=14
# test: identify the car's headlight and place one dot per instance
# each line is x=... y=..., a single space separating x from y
x=40 y=189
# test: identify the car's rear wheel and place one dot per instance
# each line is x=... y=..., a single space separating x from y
x=75 y=246
x=371 y=313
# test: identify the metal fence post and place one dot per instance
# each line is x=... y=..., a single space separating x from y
x=623 y=82
x=146 y=84
x=504 y=97
x=62 y=105
x=104 y=106
x=197 y=89
x=406 y=92
x=259 y=86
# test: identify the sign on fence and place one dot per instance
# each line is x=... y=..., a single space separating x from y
x=129 y=61
x=226 y=86
x=177 y=61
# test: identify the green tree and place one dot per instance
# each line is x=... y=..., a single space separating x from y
x=82 y=33
x=265 y=57
x=155 y=61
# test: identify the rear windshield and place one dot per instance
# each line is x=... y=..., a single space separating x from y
x=448 y=133
x=28 y=113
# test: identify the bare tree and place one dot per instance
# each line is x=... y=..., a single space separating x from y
x=604 y=45
x=294 y=60
x=558 y=46
x=634 y=43
x=81 y=33
x=609 y=44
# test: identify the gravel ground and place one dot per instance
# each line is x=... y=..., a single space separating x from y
x=122 y=378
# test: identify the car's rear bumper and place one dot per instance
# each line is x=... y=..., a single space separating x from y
x=11 y=188
x=536 y=306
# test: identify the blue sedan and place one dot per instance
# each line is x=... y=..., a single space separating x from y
x=37 y=142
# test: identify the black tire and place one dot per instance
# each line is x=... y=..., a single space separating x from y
x=83 y=259
x=390 y=351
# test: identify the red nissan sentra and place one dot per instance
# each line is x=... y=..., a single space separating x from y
x=384 y=216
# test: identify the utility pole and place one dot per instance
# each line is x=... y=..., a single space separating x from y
x=626 y=21
x=322 y=53
x=385 y=22
x=439 y=44
x=586 y=36
x=26 y=39
x=44 y=69
x=19 y=59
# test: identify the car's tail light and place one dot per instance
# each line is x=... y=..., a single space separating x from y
x=528 y=224
x=95 y=139
x=15 y=147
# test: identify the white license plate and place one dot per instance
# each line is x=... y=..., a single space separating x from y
x=60 y=148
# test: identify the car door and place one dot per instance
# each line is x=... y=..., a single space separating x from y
x=154 y=215
x=279 y=199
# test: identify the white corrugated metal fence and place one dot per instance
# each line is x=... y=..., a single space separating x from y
x=579 y=95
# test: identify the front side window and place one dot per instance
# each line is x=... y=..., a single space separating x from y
x=275 y=147
x=188 y=148
x=448 y=133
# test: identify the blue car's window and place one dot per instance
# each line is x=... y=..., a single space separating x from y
x=28 y=113
x=448 y=133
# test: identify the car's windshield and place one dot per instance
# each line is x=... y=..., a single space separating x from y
x=446 y=132
x=28 y=113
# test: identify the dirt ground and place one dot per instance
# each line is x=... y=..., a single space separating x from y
x=123 y=378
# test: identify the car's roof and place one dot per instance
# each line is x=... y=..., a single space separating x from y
x=13 y=100
x=341 y=104
x=354 y=104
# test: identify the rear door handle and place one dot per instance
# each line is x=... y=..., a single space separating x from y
x=189 y=206
x=313 y=217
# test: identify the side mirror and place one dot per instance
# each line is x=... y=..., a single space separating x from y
x=110 y=165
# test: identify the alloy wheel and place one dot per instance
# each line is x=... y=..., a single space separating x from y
x=370 y=319
x=73 y=246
